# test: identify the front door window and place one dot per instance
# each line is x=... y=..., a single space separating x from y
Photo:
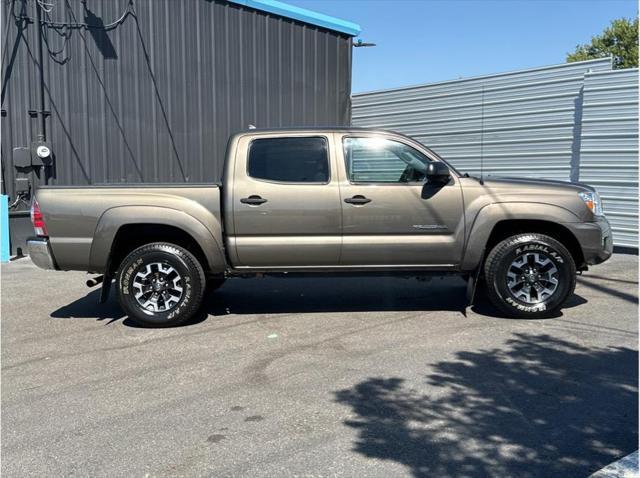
x=380 y=160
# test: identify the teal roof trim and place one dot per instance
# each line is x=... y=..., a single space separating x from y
x=302 y=14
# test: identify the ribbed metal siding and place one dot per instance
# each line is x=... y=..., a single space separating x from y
x=528 y=118
x=609 y=147
x=155 y=99
x=376 y=166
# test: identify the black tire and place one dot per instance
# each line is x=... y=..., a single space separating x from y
x=187 y=280
x=502 y=288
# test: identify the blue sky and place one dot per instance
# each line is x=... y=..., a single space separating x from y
x=421 y=41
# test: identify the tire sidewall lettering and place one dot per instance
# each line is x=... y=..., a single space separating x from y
x=126 y=277
x=542 y=248
x=526 y=308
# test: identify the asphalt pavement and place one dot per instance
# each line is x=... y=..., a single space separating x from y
x=349 y=376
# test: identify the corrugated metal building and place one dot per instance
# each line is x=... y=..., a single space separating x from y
x=609 y=147
x=150 y=90
x=573 y=122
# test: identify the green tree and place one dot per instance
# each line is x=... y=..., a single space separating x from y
x=619 y=40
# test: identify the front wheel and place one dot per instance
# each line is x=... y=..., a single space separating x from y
x=160 y=285
x=529 y=275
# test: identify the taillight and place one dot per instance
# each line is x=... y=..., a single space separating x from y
x=37 y=219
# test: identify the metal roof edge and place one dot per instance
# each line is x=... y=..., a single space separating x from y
x=615 y=71
x=301 y=14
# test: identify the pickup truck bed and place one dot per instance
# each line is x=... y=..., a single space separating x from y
x=83 y=222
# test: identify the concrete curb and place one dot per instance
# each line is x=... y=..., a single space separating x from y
x=626 y=467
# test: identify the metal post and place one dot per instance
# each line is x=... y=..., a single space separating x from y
x=42 y=123
x=42 y=131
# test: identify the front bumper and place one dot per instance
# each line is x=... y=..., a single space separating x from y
x=596 y=240
x=39 y=251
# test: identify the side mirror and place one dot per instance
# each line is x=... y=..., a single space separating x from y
x=437 y=172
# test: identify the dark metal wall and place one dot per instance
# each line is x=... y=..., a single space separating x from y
x=152 y=89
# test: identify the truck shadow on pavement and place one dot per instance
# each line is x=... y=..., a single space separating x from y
x=538 y=406
x=312 y=295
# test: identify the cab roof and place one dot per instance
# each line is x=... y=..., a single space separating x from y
x=332 y=129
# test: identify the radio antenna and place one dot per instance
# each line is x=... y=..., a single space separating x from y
x=482 y=137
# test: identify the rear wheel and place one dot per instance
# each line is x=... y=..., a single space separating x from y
x=160 y=285
x=529 y=275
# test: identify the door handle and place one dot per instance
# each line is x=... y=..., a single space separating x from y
x=358 y=199
x=253 y=200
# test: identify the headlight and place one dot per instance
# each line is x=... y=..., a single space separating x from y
x=593 y=202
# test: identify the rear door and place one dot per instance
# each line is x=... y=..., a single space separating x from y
x=391 y=215
x=286 y=202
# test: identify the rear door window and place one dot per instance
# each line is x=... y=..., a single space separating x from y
x=289 y=160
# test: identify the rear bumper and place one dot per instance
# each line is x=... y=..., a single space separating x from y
x=595 y=238
x=39 y=251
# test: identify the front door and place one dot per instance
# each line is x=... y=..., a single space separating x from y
x=286 y=203
x=391 y=215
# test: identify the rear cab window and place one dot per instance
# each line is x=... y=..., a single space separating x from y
x=289 y=160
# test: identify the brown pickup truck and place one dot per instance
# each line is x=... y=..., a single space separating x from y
x=323 y=201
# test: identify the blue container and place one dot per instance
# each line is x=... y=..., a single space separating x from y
x=4 y=228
